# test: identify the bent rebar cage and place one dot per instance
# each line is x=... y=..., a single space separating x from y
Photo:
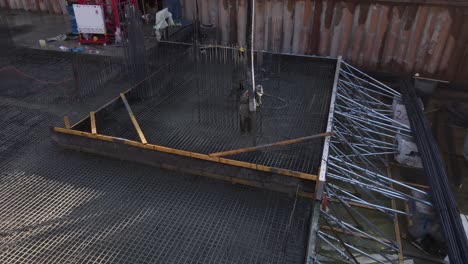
x=355 y=214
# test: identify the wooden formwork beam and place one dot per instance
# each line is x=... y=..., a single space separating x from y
x=193 y=163
x=66 y=122
x=134 y=121
x=92 y=119
x=276 y=144
x=243 y=164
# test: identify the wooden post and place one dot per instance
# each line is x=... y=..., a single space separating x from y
x=93 y=123
x=66 y=122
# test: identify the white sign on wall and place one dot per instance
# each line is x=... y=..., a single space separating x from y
x=90 y=19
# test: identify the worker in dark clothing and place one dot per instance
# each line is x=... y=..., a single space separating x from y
x=244 y=112
x=245 y=115
x=258 y=96
x=244 y=101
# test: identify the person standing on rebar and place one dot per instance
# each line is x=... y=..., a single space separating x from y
x=258 y=96
x=245 y=116
x=244 y=112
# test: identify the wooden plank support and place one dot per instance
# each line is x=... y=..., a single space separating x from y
x=194 y=163
x=276 y=144
x=66 y=122
x=134 y=121
x=92 y=118
x=248 y=165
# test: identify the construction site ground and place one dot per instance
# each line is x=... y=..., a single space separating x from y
x=63 y=206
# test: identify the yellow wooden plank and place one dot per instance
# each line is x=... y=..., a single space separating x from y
x=134 y=121
x=93 y=123
x=174 y=151
x=237 y=163
x=83 y=134
x=224 y=160
x=276 y=144
x=66 y=122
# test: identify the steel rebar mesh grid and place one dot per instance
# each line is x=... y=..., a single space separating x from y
x=194 y=106
x=92 y=73
x=22 y=68
x=65 y=207
x=6 y=40
x=36 y=85
x=57 y=75
x=134 y=44
x=43 y=77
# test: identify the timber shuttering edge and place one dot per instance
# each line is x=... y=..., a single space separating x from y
x=194 y=163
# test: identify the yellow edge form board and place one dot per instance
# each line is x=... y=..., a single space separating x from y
x=237 y=163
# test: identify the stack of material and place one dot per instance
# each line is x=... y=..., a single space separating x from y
x=442 y=195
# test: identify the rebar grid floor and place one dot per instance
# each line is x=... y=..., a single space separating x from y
x=198 y=111
x=59 y=78
x=19 y=68
x=59 y=206
x=71 y=208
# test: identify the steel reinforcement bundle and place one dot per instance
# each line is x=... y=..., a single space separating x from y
x=442 y=196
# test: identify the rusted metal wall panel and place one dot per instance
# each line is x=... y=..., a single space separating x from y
x=48 y=6
x=429 y=37
x=426 y=36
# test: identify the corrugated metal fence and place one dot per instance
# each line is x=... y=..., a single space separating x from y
x=429 y=37
x=399 y=36
x=50 y=6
